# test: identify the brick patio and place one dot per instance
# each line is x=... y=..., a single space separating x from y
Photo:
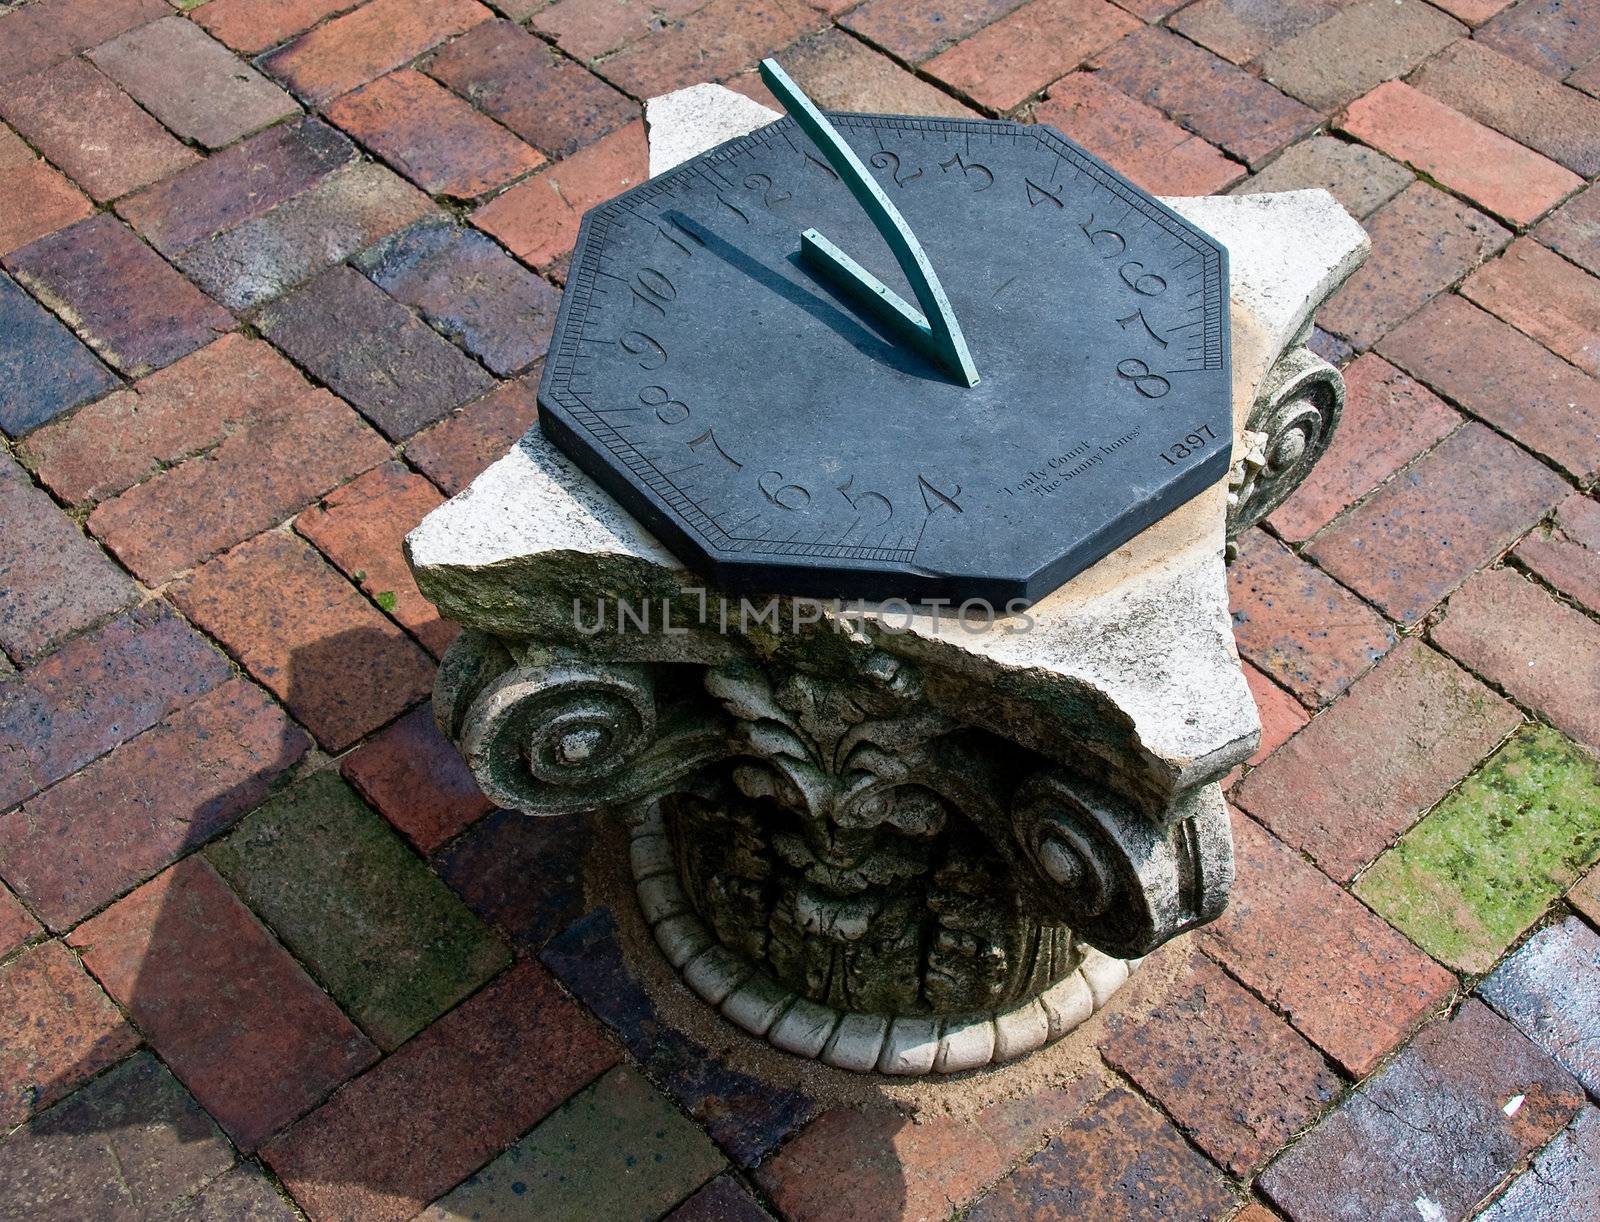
x=277 y=279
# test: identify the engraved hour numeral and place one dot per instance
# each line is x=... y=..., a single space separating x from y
x=1037 y=195
x=653 y=289
x=1145 y=323
x=1104 y=231
x=709 y=438
x=822 y=166
x=863 y=502
x=636 y=343
x=679 y=237
x=785 y=496
x=980 y=176
x=769 y=197
x=1146 y=284
x=934 y=497
x=733 y=207
x=1142 y=378
x=886 y=160
x=668 y=409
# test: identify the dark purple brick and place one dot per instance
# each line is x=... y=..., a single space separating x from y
x=522 y=873
x=1551 y=990
x=724 y=1199
x=745 y=1116
x=468 y=288
x=123 y=300
x=1564 y=1181
x=371 y=352
x=44 y=370
x=1463 y=1105
x=98 y=690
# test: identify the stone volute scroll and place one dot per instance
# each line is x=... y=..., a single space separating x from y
x=889 y=836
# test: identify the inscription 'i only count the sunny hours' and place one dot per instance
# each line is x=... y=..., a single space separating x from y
x=744 y=362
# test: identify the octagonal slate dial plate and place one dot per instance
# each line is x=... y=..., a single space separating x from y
x=780 y=441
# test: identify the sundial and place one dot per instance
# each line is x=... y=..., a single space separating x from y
x=881 y=356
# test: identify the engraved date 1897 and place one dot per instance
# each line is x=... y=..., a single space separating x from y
x=1188 y=446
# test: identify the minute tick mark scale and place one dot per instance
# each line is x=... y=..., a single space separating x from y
x=769 y=404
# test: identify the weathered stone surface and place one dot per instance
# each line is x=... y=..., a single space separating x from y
x=124 y=1147
x=1360 y=178
x=470 y=289
x=1120 y=1159
x=1397 y=742
x=1345 y=979
x=57 y=1029
x=1238 y=1079
x=1551 y=990
x=382 y=933
x=44 y=370
x=1466 y=1102
x=616 y=1149
x=118 y=295
x=265 y=255
x=1563 y=1182
x=397 y=1138
x=413 y=378
x=687 y=122
x=418 y=781
x=53 y=581
x=85 y=841
x=195 y=86
x=1488 y=860
x=237 y=1019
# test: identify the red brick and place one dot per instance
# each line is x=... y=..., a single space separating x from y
x=1121 y=1159
x=1542 y=295
x=1568 y=554
x=1005 y=64
x=718 y=40
x=1423 y=241
x=1358 y=48
x=1347 y=981
x=1150 y=10
x=1587 y=78
x=538 y=219
x=334 y=218
x=467 y=287
x=1388 y=420
x=1555 y=36
x=44 y=33
x=256 y=477
x=376 y=38
x=360 y=528
x=53 y=581
x=1363 y=771
x=35 y=200
x=1503 y=377
x=1453 y=511
x=898 y=1169
x=98 y=690
x=250 y=26
x=1458 y=153
x=433 y=137
x=1281 y=714
x=239 y=1022
x=118 y=295
x=1442 y=1116
x=341 y=666
x=1240 y=30
x=1544 y=653
x=92 y=130
x=85 y=841
x=416 y=1125
x=1510 y=97
x=190 y=407
x=1233 y=1075
x=369 y=348
x=57 y=1029
x=235 y=185
x=454 y=451
x=1135 y=139
x=588 y=29
x=1361 y=179
x=839 y=72
x=192 y=83
x=418 y=781
x=548 y=100
x=17 y=926
x=1574 y=230
x=1239 y=112
x=1473 y=12
x=915 y=30
x=1297 y=624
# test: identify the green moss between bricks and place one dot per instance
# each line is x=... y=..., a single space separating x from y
x=1490 y=858
x=347 y=896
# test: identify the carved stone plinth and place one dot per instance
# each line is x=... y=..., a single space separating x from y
x=892 y=838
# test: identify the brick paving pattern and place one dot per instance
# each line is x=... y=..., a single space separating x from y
x=275 y=279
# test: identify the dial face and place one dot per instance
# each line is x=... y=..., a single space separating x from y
x=779 y=439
